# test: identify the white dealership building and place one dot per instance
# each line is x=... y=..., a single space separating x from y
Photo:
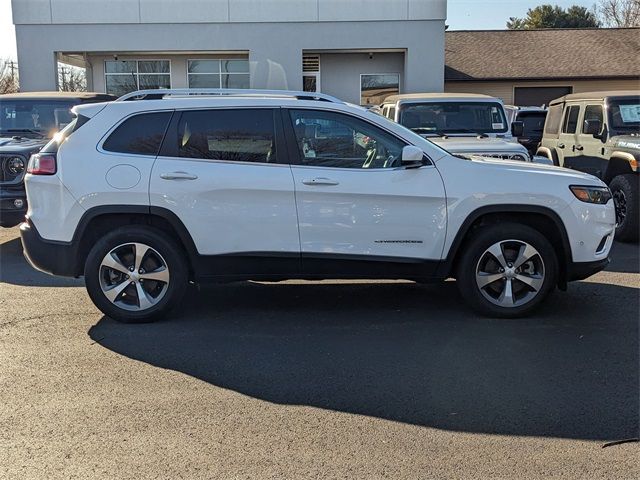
x=357 y=50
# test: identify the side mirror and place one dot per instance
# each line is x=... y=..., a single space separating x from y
x=517 y=129
x=412 y=156
x=592 y=127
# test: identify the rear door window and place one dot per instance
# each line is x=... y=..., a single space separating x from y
x=242 y=135
x=571 y=119
x=139 y=135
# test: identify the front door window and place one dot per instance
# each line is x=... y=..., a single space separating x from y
x=328 y=139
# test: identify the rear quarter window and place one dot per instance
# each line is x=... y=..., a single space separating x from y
x=554 y=117
x=141 y=134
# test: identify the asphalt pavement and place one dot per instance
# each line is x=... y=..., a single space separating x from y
x=319 y=380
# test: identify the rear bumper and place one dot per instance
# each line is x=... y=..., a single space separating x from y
x=55 y=258
x=582 y=270
x=10 y=215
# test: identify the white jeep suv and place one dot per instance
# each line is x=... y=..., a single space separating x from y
x=159 y=188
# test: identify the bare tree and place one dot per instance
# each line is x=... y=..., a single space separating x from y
x=71 y=79
x=620 y=13
x=8 y=76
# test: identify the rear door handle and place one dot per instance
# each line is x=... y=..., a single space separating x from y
x=178 y=176
x=579 y=147
x=561 y=145
x=320 y=181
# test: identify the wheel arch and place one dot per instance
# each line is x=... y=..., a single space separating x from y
x=97 y=221
x=549 y=153
x=542 y=218
x=619 y=164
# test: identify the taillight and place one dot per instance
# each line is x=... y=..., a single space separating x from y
x=42 y=164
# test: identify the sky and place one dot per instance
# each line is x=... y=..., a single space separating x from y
x=462 y=15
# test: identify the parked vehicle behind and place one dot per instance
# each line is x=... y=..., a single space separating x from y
x=161 y=187
x=27 y=122
x=461 y=123
x=532 y=119
x=599 y=133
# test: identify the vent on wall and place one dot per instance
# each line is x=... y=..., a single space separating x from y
x=310 y=64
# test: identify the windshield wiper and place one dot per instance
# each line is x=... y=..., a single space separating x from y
x=429 y=131
x=24 y=130
x=466 y=130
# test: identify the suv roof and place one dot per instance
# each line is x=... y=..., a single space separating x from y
x=437 y=96
x=595 y=95
x=83 y=96
x=160 y=94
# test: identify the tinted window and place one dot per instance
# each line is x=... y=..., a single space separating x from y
x=552 y=126
x=591 y=113
x=141 y=134
x=231 y=135
x=330 y=139
x=392 y=113
x=533 y=122
x=571 y=119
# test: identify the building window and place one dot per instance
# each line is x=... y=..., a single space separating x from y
x=374 y=88
x=219 y=73
x=311 y=73
x=124 y=76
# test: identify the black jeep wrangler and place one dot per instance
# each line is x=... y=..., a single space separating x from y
x=27 y=123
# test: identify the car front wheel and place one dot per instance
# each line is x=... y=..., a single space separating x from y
x=136 y=274
x=506 y=270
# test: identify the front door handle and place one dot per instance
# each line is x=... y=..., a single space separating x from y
x=320 y=181
x=561 y=145
x=579 y=148
x=178 y=176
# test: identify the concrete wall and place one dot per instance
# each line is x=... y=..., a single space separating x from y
x=505 y=89
x=218 y=11
x=275 y=49
x=340 y=72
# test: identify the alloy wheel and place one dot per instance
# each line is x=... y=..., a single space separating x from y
x=510 y=273
x=134 y=276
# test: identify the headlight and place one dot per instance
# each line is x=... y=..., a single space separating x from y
x=15 y=166
x=599 y=195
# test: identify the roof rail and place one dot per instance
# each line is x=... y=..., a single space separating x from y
x=159 y=94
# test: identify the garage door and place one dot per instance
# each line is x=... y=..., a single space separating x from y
x=530 y=96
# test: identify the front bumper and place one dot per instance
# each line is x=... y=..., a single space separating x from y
x=582 y=270
x=10 y=215
x=55 y=258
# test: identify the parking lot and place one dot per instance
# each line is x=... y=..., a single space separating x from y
x=318 y=380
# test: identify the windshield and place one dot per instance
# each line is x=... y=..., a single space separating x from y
x=624 y=114
x=533 y=122
x=454 y=118
x=42 y=118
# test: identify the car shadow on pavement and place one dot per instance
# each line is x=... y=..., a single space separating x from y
x=625 y=258
x=15 y=269
x=408 y=353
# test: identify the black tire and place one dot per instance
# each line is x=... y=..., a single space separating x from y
x=170 y=253
x=474 y=251
x=625 y=189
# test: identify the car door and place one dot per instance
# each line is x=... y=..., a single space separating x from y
x=568 y=136
x=360 y=212
x=590 y=150
x=224 y=173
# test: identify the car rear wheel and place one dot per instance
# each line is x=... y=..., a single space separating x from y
x=136 y=274
x=627 y=203
x=506 y=270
